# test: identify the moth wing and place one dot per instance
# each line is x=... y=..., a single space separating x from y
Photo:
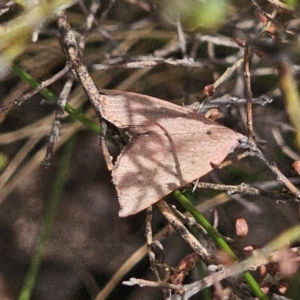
x=156 y=163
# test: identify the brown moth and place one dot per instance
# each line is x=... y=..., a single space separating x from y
x=170 y=146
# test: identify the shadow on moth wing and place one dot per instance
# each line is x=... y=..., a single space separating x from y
x=170 y=147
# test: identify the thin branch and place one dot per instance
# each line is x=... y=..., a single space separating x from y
x=90 y=19
x=150 y=62
x=254 y=150
x=150 y=244
x=43 y=85
x=227 y=101
x=242 y=188
x=181 y=38
x=226 y=75
x=248 y=93
x=59 y=114
x=260 y=257
x=184 y=233
x=155 y=284
x=75 y=59
x=283 y=146
x=279 y=4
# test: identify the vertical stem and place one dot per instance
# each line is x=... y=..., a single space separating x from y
x=248 y=93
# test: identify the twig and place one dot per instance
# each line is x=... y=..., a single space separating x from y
x=162 y=285
x=191 y=222
x=43 y=85
x=184 y=233
x=229 y=71
x=233 y=189
x=150 y=62
x=258 y=7
x=279 y=4
x=260 y=257
x=81 y=71
x=188 y=221
x=181 y=38
x=151 y=253
x=283 y=146
x=227 y=101
x=59 y=114
x=75 y=59
x=248 y=93
x=169 y=48
x=16 y=161
x=90 y=18
x=217 y=40
x=271 y=165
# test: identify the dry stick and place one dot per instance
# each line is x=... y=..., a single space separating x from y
x=142 y=251
x=230 y=161
x=220 y=40
x=149 y=239
x=279 y=4
x=43 y=85
x=127 y=265
x=283 y=146
x=89 y=22
x=229 y=71
x=81 y=71
x=242 y=188
x=227 y=101
x=162 y=285
x=150 y=62
x=248 y=93
x=181 y=38
x=260 y=10
x=259 y=257
x=209 y=89
x=75 y=59
x=59 y=114
x=191 y=222
x=16 y=161
x=19 y=89
x=272 y=166
x=184 y=233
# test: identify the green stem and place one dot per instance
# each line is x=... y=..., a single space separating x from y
x=218 y=240
x=49 y=219
x=75 y=113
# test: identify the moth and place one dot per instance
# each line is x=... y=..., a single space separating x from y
x=170 y=146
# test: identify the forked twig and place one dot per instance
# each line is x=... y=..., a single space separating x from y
x=185 y=234
x=75 y=59
x=227 y=101
x=260 y=257
x=59 y=114
x=254 y=150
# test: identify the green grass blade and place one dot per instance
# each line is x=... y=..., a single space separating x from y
x=49 y=219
